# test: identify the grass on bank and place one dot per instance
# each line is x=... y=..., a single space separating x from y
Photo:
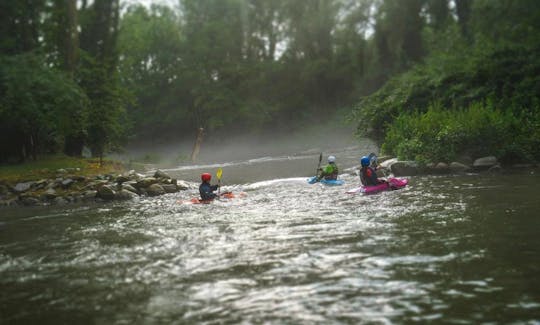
x=48 y=166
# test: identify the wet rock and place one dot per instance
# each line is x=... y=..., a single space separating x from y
x=60 y=201
x=495 y=169
x=29 y=201
x=130 y=188
x=182 y=185
x=3 y=189
x=88 y=195
x=155 y=190
x=23 y=187
x=485 y=163
x=122 y=179
x=106 y=192
x=8 y=203
x=169 y=188
x=49 y=194
x=125 y=195
x=457 y=167
x=404 y=168
x=161 y=174
x=146 y=182
x=67 y=182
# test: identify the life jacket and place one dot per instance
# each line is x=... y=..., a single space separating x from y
x=205 y=190
x=368 y=176
x=330 y=174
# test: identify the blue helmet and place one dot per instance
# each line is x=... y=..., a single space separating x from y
x=365 y=161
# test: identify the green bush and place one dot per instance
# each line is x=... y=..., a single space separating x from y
x=479 y=130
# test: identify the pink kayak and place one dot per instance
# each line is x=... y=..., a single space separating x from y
x=391 y=184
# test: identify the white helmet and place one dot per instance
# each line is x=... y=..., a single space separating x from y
x=331 y=159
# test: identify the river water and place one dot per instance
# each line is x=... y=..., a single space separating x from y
x=445 y=249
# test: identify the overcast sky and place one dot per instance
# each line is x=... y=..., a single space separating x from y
x=147 y=3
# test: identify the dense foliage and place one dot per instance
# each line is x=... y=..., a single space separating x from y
x=475 y=94
x=97 y=73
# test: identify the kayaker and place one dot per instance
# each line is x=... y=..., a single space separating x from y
x=330 y=171
x=368 y=175
x=205 y=189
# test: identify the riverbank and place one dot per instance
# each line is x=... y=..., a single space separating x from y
x=59 y=180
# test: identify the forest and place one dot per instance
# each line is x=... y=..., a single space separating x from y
x=428 y=79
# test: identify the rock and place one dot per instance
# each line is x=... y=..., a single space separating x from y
x=23 y=187
x=485 y=162
x=146 y=182
x=67 y=182
x=130 y=188
x=8 y=203
x=106 y=192
x=388 y=163
x=182 y=185
x=160 y=174
x=404 y=168
x=3 y=190
x=125 y=195
x=457 y=167
x=495 y=169
x=155 y=190
x=49 y=194
x=60 y=201
x=440 y=168
x=122 y=179
x=29 y=201
x=61 y=171
x=169 y=188
x=88 y=195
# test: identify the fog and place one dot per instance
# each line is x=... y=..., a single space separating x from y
x=248 y=158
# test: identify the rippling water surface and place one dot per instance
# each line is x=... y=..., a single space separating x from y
x=454 y=249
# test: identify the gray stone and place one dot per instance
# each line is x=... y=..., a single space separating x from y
x=182 y=185
x=106 y=192
x=457 y=167
x=485 y=162
x=29 y=201
x=60 y=201
x=8 y=202
x=125 y=195
x=23 y=187
x=404 y=168
x=67 y=182
x=3 y=190
x=155 y=190
x=169 y=188
x=146 y=182
x=161 y=174
x=49 y=194
x=130 y=188
x=88 y=195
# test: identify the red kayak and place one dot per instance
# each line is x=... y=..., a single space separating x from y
x=390 y=184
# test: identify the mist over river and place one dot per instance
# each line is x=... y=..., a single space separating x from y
x=446 y=249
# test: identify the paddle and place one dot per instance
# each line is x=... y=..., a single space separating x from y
x=318 y=166
x=218 y=175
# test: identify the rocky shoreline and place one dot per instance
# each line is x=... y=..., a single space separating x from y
x=68 y=187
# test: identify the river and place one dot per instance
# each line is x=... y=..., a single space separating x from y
x=445 y=249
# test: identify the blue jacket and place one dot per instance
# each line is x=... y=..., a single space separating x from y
x=206 y=191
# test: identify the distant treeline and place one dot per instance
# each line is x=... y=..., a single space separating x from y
x=98 y=73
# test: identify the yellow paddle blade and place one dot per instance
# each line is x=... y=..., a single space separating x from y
x=219 y=172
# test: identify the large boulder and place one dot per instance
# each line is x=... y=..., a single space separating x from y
x=146 y=182
x=161 y=174
x=457 y=167
x=404 y=168
x=106 y=192
x=23 y=187
x=124 y=194
x=155 y=190
x=485 y=163
x=182 y=185
x=169 y=188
